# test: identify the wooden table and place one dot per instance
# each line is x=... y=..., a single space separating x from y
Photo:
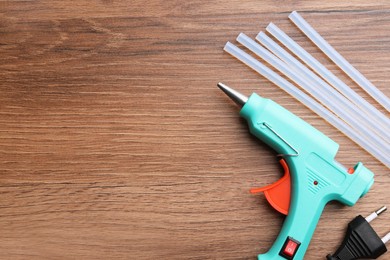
x=116 y=143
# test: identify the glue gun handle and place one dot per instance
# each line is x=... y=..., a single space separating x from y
x=298 y=227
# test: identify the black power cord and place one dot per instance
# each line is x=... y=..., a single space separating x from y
x=361 y=241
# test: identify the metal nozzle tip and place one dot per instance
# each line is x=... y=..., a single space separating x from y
x=236 y=96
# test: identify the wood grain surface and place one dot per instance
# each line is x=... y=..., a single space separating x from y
x=116 y=144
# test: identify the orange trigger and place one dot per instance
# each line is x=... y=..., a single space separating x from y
x=278 y=193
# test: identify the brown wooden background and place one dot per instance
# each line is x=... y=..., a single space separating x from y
x=116 y=143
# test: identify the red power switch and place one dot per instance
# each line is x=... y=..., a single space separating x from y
x=289 y=248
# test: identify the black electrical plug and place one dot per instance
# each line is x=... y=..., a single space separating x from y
x=361 y=241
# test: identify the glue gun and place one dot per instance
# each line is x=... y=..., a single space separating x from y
x=312 y=175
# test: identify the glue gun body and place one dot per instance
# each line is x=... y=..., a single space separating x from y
x=315 y=177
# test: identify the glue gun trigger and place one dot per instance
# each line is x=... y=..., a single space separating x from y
x=278 y=193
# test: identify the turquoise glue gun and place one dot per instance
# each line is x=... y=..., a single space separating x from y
x=316 y=178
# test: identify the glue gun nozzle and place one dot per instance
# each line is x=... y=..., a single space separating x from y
x=236 y=96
